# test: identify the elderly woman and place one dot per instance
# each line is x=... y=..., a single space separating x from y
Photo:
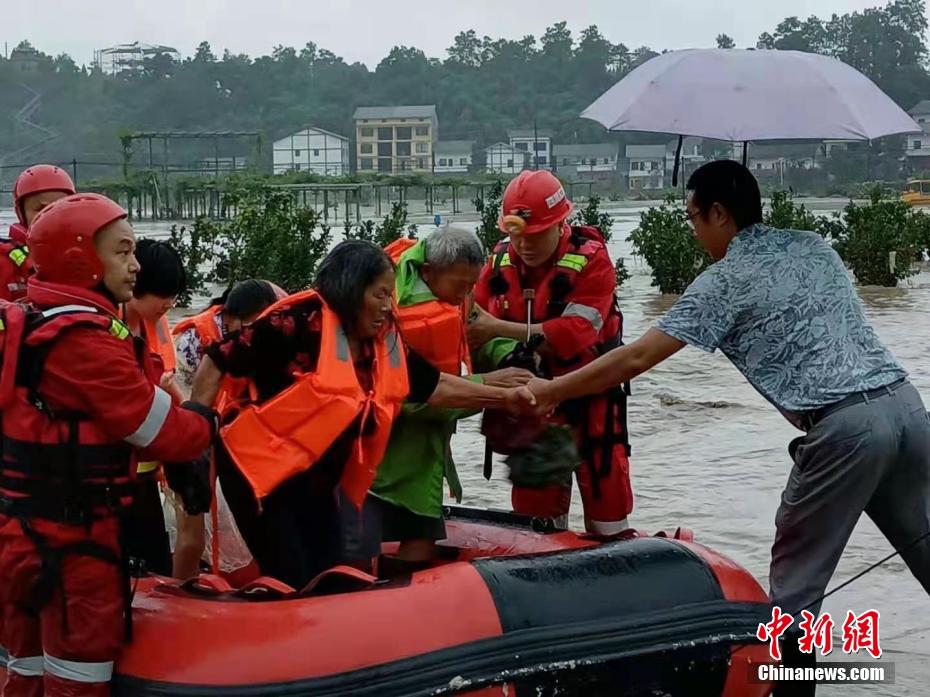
x=329 y=373
x=434 y=278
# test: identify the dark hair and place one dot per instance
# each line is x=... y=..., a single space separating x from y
x=247 y=298
x=346 y=272
x=732 y=186
x=161 y=271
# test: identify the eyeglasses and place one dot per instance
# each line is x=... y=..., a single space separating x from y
x=689 y=218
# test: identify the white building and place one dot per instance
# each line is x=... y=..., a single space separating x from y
x=646 y=168
x=586 y=161
x=453 y=156
x=130 y=58
x=503 y=158
x=312 y=150
x=537 y=144
x=918 y=144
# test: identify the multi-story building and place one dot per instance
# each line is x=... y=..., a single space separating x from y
x=537 y=144
x=396 y=139
x=917 y=155
x=586 y=161
x=312 y=150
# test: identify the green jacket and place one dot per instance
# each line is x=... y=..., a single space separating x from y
x=419 y=454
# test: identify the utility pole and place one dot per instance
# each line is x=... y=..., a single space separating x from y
x=535 y=146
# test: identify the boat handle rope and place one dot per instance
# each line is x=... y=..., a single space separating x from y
x=895 y=553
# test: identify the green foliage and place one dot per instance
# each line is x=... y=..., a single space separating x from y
x=193 y=245
x=591 y=214
x=270 y=237
x=488 y=206
x=393 y=227
x=664 y=239
x=482 y=86
x=622 y=272
x=880 y=241
x=785 y=214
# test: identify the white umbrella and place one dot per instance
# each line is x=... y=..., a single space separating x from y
x=744 y=95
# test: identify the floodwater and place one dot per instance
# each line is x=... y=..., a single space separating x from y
x=710 y=454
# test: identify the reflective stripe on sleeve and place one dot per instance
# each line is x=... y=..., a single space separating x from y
x=154 y=420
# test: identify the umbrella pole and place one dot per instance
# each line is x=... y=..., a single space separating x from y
x=745 y=153
x=681 y=140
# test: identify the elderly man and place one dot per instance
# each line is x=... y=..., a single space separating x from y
x=781 y=307
x=434 y=279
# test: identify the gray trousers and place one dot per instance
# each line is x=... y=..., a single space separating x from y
x=872 y=457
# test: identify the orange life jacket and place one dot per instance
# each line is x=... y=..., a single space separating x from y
x=287 y=434
x=434 y=329
x=158 y=337
x=208 y=332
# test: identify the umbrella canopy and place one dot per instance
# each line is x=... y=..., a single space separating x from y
x=745 y=95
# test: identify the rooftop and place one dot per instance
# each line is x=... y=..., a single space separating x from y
x=454 y=147
x=313 y=128
x=529 y=133
x=396 y=112
x=922 y=107
x=502 y=147
x=585 y=150
x=646 y=152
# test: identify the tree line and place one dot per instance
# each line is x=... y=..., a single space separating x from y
x=482 y=86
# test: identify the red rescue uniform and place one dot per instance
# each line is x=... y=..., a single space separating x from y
x=576 y=306
x=98 y=411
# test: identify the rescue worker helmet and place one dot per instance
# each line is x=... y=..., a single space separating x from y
x=37 y=180
x=61 y=239
x=534 y=201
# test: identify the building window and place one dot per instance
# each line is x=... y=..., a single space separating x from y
x=316 y=153
x=385 y=150
x=386 y=133
x=606 y=161
x=463 y=161
x=542 y=147
x=422 y=148
x=384 y=164
x=297 y=153
x=297 y=166
x=422 y=130
x=541 y=159
x=422 y=163
x=442 y=162
x=510 y=164
x=403 y=133
x=366 y=148
x=521 y=146
x=403 y=149
x=403 y=120
x=364 y=163
x=917 y=145
x=367 y=132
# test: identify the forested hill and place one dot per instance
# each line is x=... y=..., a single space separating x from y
x=482 y=86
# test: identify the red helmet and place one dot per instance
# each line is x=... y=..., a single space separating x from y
x=534 y=201
x=61 y=239
x=36 y=180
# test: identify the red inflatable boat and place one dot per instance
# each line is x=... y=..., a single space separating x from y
x=517 y=608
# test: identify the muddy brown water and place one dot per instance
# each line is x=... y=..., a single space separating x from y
x=709 y=453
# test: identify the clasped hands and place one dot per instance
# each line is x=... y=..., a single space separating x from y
x=526 y=394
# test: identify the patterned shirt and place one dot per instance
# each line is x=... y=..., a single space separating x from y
x=189 y=353
x=781 y=306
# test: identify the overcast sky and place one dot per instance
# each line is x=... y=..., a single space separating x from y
x=365 y=30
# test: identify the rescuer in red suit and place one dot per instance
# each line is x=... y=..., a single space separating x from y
x=78 y=408
x=574 y=319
